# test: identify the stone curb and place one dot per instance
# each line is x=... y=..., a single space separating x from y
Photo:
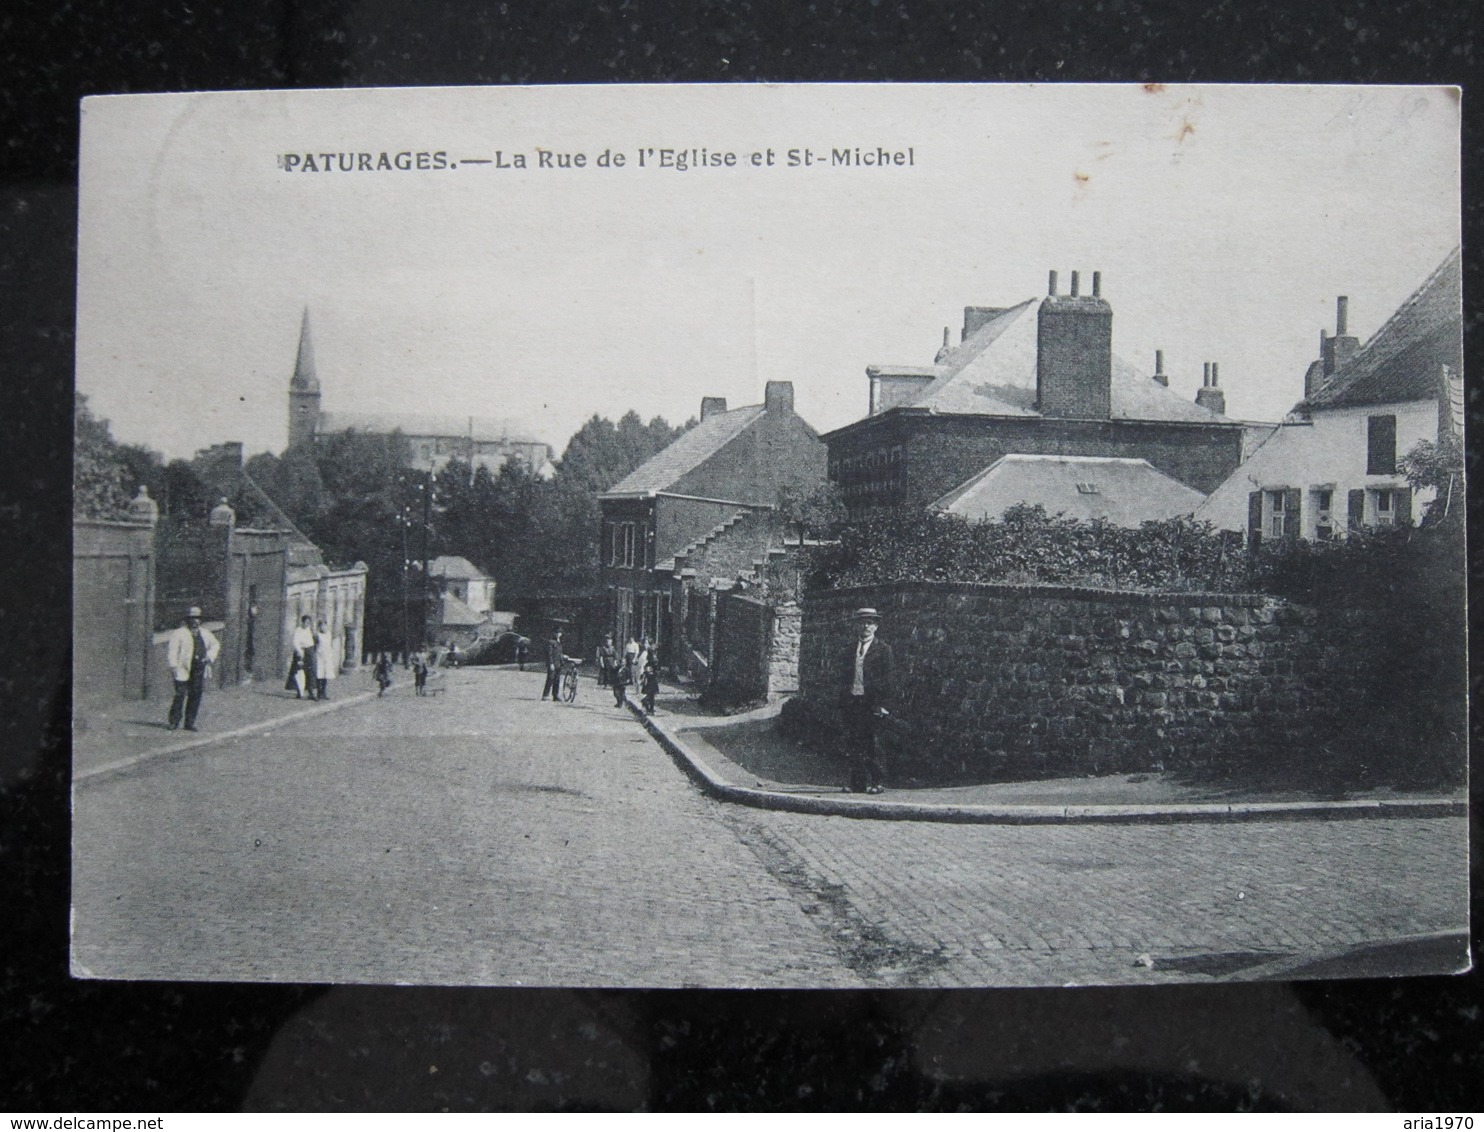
x=1151 y=813
x=81 y=776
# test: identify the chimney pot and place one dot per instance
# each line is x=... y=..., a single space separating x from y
x=1205 y=374
x=1159 y=361
x=1097 y=284
x=1051 y=284
x=1215 y=379
x=1074 y=284
x=1342 y=315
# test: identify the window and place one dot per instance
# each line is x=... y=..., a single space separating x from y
x=1275 y=512
x=1088 y=489
x=1380 y=452
x=626 y=551
x=1383 y=505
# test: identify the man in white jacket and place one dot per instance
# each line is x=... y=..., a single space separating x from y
x=190 y=651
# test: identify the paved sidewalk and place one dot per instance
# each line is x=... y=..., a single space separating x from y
x=129 y=733
x=743 y=758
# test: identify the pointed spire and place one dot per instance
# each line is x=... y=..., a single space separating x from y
x=305 y=379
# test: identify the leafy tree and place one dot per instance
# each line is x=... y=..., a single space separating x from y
x=99 y=470
x=1438 y=466
x=817 y=512
x=601 y=453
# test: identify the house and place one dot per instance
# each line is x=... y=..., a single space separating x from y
x=463 y=609
x=1332 y=465
x=702 y=509
x=1036 y=378
x=434 y=440
x=1112 y=489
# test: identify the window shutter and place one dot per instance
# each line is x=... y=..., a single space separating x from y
x=1380 y=459
x=1402 y=506
x=1291 y=502
x=1254 y=520
x=1356 y=517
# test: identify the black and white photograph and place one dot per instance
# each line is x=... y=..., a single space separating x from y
x=770 y=536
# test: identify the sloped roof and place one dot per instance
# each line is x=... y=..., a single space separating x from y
x=454 y=566
x=454 y=612
x=687 y=451
x=482 y=429
x=1122 y=491
x=993 y=371
x=1404 y=360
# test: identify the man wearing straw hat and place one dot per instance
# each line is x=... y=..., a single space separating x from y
x=865 y=701
x=189 y=651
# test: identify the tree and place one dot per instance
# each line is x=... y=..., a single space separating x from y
x=1440 y=467
x=601 y=453
x=99 y=471
x=816 y=512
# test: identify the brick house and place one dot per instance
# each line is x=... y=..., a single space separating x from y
x=1331 y=466
x=1037 y=378
x=699 y=512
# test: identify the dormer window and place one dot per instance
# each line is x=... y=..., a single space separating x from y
x=1088 y=489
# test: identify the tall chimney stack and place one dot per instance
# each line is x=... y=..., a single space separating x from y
x=1336 y=351
x=1159 y=368
x=1074 y=354
x=1097 y=284
x=1051 y=283
x=1209 y=395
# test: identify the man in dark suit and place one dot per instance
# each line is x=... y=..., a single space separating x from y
x=865 y=701
x=553 y=665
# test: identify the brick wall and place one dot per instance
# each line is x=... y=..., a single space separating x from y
x=113 y=597
x=1002 y=682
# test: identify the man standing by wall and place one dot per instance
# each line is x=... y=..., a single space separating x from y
x=190 y=651
x=865 y=702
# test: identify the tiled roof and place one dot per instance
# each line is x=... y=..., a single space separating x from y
x=993 y=371
x=1404 y=360
x=484 y=429
x=1121 y=491
x=688 y=451
x=453 y=566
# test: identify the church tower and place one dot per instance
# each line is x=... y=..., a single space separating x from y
x=303 y=390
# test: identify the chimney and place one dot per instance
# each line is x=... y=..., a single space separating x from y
x=778 y=397
x=1159 y=369
x=1051 y=284
x=943 y=353
x=1336 y=351
x=1074 y=353
x=710 y=405
x=1209 y=396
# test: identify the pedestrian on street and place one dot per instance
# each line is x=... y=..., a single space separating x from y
x=619 y=678
x=607 y=661
x=630 y=655
x=521 y=645
x=865 y=702
x=553 y=666
x=190 y=651
x=325 y=661
x=419 y=674
x=651 y=685
x=383 y=674
x=301 y=669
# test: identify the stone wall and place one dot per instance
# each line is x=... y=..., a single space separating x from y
x=755 y=653
x=1003 y=682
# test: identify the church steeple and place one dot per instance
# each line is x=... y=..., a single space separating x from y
x=303 y=390
x=305 y=379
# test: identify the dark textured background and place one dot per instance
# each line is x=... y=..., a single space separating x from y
x=64 y=1045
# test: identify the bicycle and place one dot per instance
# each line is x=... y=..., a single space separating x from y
x=567 y=688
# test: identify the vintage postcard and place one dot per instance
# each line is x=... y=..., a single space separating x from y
x=770 y=536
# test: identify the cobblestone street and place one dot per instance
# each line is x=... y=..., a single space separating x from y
x=482 y=836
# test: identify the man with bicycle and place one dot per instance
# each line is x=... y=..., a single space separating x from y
x=554 y=659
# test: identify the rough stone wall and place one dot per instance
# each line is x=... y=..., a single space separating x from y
x=783 y=649
x=999 y=682
x=740 y=657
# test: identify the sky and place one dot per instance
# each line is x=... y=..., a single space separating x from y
x=1225 y=220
